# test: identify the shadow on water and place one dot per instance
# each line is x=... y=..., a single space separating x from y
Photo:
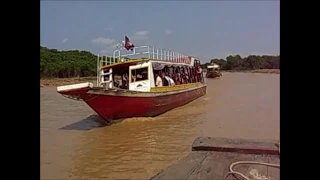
x=91 y=122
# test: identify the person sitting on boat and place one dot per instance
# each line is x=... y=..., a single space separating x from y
x=193 y=75
x=158 y=80
x=183 y=79
x=117 y=82
x=199 y=73
x=125 y=81
x=124 y=84
x=133 y=78
x=165 y=82
x=170 y=81
x=178 y=81
x=187 y=75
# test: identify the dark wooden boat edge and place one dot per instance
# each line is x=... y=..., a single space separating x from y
x=204 y=147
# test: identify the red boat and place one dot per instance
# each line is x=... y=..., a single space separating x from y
x=157 y=81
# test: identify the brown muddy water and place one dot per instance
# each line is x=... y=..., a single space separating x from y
x=75 y=145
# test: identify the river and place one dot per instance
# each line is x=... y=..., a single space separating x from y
x=74 y=144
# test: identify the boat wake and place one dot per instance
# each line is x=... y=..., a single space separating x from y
x=138 y=119
x=88 y=123
x=206 y=98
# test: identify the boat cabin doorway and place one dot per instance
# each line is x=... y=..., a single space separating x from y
x=120 y=77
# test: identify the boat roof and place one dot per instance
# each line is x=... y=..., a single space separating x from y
x=213 y=66
x=125 y=63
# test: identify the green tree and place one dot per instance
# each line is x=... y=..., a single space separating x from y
x=63 y=64
x=251 y=62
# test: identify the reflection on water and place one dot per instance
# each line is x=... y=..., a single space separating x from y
x=73 y=146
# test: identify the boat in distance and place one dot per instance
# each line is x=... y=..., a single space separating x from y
x=140 y=82
x=213 y=71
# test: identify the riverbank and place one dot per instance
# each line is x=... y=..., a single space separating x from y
x=267 y=71
x=46 y=82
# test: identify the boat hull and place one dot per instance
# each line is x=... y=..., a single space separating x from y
x=213 y=74
x=114 y=107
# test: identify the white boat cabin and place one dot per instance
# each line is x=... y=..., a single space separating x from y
x=140 y=74
x=213 y=67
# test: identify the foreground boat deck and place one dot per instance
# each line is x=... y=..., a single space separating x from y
x=211 y=157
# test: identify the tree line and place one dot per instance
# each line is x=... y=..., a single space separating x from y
x=74 y=63
x=251 y=62
x=65 y=64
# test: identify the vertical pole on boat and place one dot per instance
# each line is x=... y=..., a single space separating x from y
x=98 y=70
x=174 y=59
x=157 y=53
x=167 y=55
x=148 y=51
x=171 y=54
x=124 y=45
x=161 y=54
x=177 y=57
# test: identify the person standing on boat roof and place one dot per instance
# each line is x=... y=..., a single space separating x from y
x=158 y=80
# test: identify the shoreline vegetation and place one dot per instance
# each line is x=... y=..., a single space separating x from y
x=264 y=71
x=67 y=67
x=51 y=82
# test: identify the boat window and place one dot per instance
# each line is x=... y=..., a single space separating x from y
x=120 y=77
x=140 y=74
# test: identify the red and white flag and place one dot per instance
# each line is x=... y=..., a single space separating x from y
x=127 y=44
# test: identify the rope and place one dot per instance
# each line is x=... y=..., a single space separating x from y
x=254 y=173
x=76 y=98
x=92 y=98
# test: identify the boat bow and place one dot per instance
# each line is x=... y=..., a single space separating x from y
x=74 y=91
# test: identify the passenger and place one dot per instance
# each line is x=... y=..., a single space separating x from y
x=124 y=85
x=133 y=78
x=170 y=81
x=175 y=78
x=164 y=79
x=178 y=79
x=158 y=80
x=198 y=73
x=126 y=81
x=116 y=80
x=182 y=79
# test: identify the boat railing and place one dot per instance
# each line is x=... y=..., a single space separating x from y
x=123 y=55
